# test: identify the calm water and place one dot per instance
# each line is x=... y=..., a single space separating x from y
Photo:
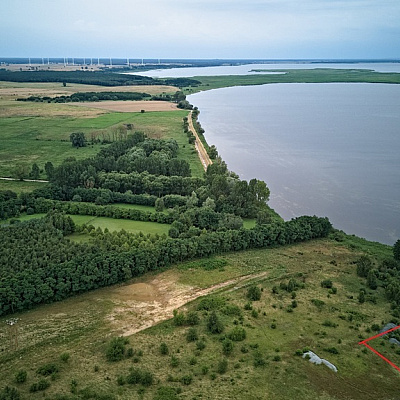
x=247 y=69
x=325 y=149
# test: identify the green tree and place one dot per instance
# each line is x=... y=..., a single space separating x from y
x=396 y=250
x=254 y=293
x=77 y=139
x=214 y=324
x=116 y=349
x=49 y=168
x=21 y=171
x=35 y=172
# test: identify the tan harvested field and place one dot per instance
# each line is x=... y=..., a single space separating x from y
x=13 y=90
x=129 y=106
x=9 y=108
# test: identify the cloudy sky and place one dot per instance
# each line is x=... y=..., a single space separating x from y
x=200 y=28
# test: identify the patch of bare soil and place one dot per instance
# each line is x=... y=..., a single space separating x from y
x=130 y=106
x=141 y=305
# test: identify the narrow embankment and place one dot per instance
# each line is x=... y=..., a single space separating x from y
x=204 y=157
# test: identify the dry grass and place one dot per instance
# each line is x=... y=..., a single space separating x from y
x=12 y=90
x=130 y=106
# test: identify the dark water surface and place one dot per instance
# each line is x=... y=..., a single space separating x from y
x=325 y=149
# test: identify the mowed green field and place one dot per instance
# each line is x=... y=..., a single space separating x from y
x=111 y=224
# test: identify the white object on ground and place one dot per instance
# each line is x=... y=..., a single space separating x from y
x=317 y=360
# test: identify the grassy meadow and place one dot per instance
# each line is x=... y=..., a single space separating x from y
x=39 y=132
x=185 y=360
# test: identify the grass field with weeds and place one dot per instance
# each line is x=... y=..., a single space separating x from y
x=251 y=355
x=112 y=224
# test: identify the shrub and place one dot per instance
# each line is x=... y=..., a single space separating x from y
x=9 y=393
x=227 y=347
x=232 y=310
x=294 y=303
x=329 y=324
x=20 y=376
x=164 y=348
x=248 y=306
x=259 y=360
x=47 y=369
x=211 y=303
x=318 y=303
x=187 y=379
x=129 y=352
x=116 y=349
x=192 y=335
x=64 y=357
x=327 y=283
x=179 y=318
x=222 y=366
x=192 y=318
x=332 y=350
x=277 y=358
x=273 y=326
x=254 y=293
x=174 y=362
x=166 y=393
x=39 y=386
x=254 y=313
x=237 y=334
x=214 y=324
x=200 y=345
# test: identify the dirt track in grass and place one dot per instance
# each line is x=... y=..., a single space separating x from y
x=141 y=305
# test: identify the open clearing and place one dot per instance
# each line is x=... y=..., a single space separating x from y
x=83 y=325
x=130 y=106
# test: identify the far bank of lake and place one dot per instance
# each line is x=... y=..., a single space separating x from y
x=325 y=149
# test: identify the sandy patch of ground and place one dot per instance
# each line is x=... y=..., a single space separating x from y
x=130 y=106
x=141 y=305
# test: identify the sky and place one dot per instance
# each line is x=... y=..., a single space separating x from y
x=266 y=29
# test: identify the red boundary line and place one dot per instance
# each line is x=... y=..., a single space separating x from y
x=364 y=342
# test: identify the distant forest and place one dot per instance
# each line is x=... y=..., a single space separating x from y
x=92 y=78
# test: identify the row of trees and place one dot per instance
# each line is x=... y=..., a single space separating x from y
x=89 y=96
x=45 y=266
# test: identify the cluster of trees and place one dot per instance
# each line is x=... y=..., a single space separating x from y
x=92 y=78
x=89 y=96
x=386 y=274
x=145 y=162
x=45 y=266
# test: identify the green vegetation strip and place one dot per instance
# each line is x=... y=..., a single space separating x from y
x=318 y=75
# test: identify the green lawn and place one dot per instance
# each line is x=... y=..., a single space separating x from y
x=111 y=224
x=249 y=223
x=134 y=207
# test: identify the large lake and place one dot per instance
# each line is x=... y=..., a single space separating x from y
x=325 y=149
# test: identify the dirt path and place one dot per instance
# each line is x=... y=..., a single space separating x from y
x=24 y=180
x=204 y=157
x=142 y=305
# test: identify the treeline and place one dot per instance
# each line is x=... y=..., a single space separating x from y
x=46 y=267
x=385 y=274
x=89 y=96
x=41 y=205
x=92 y=78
